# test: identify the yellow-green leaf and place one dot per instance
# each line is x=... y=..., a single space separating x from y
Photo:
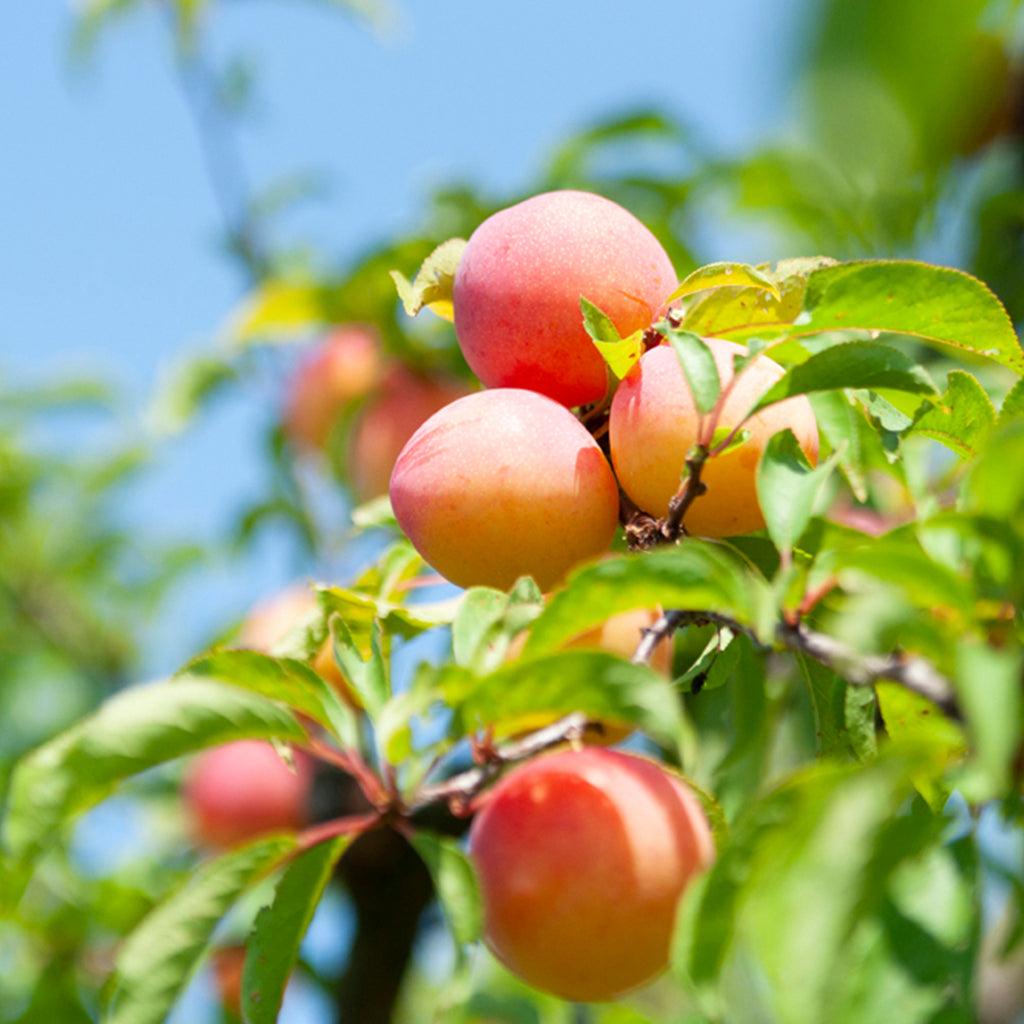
x=622 y=355
x=282 y=308
x=433 y=284
x=725 y=275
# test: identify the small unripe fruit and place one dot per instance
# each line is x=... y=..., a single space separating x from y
x=404 y=401
x=502 y=484
x=518 y=286
x=582 y=858
x=344 y=367
x=654 y=424
x=243 y=790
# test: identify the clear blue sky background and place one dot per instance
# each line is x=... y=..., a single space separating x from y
x=109 y=262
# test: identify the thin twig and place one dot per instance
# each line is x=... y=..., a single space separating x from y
x=352 y=764
x=351 y=825
x=459 y=790
x=910 y=671
x=660 y=630
x=689 y=491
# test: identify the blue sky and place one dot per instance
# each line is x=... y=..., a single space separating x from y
x=110 y=263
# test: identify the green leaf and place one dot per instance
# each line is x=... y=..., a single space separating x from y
x=360 y=610
x=434 y=282
x=988 y=684
x=961 y=418
x=621 y=354
x=991 y=490
x=754 y=311
x=803 y=868
x=1013 y=403
x=699 y=366
x=828 y=694
x=899 y=563
x=738 y=439
x=698 y=575
x=139 y=728
x=787 y=488
x=911 y=719
x=845 y=428
x=368 y=676
x=481 y=610
x=456 y=885
x=273 y=946
x=600 y=685
x=597 y=323
x=844 y=714
x=186 y=387
x=159 y=958
x=283 y=308
x=937 y=304
x=852 y=364
x=488 y=620
x=287 y=680
x=375 y=513
x=725 y=275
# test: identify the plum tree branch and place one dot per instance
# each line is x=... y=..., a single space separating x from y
x=689 y=491
x=459 y=790
x=909 y=671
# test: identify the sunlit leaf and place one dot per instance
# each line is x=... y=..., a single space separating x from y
x=287 y=680
x=139 y=728
x=433 y=284
x=698 y=575
x=621 y=354
x=754 y=311
x=377 y=512
x=530 y=690
x=724 y=275
x=960 y=418
x=285 y=308
x=854 y=364
x=936 y=304
x=988 y=685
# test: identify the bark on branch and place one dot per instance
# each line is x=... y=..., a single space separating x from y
x=910 y=671
x=459 y=790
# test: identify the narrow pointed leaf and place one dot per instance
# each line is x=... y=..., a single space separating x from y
x=273 y=946
x=434 y=283
x=699 y=367
x=787 y=488
x=157 y=961
x=724 y=275
x=139 y=728
x=456 y=884
x=854 y=364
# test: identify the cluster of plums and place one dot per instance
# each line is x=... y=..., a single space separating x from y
x=507 y=482
x=583 y=854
